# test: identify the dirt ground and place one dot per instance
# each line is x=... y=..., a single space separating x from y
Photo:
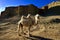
x=45 y=30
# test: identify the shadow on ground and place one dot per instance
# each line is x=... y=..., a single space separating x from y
x=38 y=38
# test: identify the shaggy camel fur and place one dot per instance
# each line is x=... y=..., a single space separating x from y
x=27 y=22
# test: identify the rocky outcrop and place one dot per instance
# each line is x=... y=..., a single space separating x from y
x=51 y=9
x=31 y=9
x=9 y=12
x=20 y=10
x=53 y=4
x=54 y=8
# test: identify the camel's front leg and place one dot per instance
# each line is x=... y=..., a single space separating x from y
x=20 y=29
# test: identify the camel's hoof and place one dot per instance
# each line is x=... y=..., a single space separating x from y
x=19 y=35
x=24 y=33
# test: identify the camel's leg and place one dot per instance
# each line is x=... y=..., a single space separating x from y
x=20 y=27
x=28 y=31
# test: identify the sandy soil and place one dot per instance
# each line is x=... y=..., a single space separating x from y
x=45 y=30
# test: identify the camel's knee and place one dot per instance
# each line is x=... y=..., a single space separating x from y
x=19 y=29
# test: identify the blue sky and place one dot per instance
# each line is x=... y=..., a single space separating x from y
x=38 y=3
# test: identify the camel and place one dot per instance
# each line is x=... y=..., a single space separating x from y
x=26 y=22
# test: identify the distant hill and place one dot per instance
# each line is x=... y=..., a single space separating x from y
x=52 y=9
x=49 y=10
x=20 y=10
x=53 y=4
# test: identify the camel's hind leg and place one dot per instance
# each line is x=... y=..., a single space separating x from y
x=27 y=31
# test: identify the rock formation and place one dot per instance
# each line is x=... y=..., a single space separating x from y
x=51 y=9
x=53 y=4
x=20 y=10
x=9 y=12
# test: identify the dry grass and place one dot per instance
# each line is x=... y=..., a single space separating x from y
x=45 y=29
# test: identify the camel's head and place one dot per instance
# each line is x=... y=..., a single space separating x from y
x=37 y=15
